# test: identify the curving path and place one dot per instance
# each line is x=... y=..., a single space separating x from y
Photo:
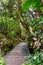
x=17 y=55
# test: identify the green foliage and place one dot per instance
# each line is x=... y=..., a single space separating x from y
x=41 y=8
x=11 y=11
x=36 y=59
x=29 y=3
x=9 y=25
x=2 y=61
x=35 y=23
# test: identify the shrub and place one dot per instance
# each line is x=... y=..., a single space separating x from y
x=36 y=59
x=2 y=61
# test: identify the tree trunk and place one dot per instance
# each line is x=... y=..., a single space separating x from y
x=41 y=1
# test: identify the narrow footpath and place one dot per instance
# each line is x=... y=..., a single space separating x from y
x=17 y=55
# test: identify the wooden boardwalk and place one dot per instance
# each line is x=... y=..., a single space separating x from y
x=17 y=55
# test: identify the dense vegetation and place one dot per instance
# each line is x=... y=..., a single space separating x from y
x=21 y=20
x=36 y=59
x=2 y=62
